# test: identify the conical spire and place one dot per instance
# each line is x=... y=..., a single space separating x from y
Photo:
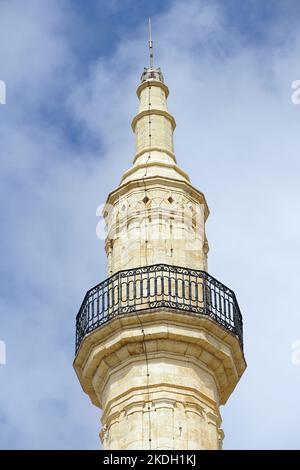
x=153 y=127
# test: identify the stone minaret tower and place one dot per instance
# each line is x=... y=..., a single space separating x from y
x=159 y=343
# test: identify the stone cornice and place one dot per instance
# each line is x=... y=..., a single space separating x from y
x=150 y=83
x=154 y=149
x=203 y=339
x=149 y=112
x=158 y=180
x=157 y=163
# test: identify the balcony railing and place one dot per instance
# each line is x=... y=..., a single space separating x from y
x=155 y=286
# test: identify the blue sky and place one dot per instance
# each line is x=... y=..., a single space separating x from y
x=71 y=69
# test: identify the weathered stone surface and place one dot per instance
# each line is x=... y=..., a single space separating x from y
x=159 y=376
x=182 y=370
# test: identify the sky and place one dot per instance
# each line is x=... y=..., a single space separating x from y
x=71 y=69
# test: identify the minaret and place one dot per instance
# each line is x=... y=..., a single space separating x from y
x=159 y=343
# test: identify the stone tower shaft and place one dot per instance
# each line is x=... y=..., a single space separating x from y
x=159 y=343
x=155 y=215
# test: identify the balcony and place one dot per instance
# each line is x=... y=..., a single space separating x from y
x=160 y=285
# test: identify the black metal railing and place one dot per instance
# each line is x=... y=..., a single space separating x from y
x=155 y=286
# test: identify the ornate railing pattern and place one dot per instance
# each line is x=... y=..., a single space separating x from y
x=155 y=286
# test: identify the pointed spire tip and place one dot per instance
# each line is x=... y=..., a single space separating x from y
x=150 y=45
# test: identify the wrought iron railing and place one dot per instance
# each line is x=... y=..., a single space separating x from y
x=155 y=286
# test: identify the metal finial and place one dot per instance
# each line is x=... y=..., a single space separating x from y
x=150 y=44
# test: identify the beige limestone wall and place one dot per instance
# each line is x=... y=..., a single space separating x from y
x=160 y=225
x=153 y=127
x=153 y=130
x=154 y=93
x=160 y=378
x=160 y=218
x=173 y=410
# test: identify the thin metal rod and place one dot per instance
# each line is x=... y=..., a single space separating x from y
x=150 y=44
